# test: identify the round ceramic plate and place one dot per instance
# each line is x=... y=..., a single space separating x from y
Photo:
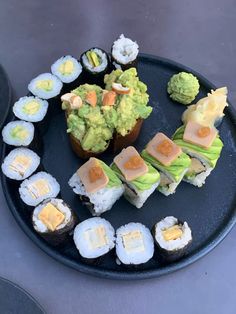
x=14 y=299
x=5 y=96
x=210 y=210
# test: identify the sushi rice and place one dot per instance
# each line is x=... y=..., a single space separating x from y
x=140 y=250
x=124 y=50
x=45 y=86
x=102 y=200
x=87 y=240
x=103 y=59
x=18 y=133
x=35 y=113
x=28 y=190
x=176 y=244
x=70 y=75
x=16 y=170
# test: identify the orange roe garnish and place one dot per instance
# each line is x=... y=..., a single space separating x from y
x=165 y=148
x=204 y=131
x=134 y=162
x=95 y=173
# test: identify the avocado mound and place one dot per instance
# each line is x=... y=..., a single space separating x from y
x=183 y=87
x=95 y=126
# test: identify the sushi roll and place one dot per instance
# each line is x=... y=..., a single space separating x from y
x=18 y=133
x=67 y=69
x=203 y=145
x=139 y=177
x=38 y=188
x=96 y=64
x=172 y=237
x=97 y=185
x=20 y=163
x=53 y=220
x=31 y=109
x=94 y=237
x=124 y=53
x=134 y=244
x=169 y=160
x=45 y=86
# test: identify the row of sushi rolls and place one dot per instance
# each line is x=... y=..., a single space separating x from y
x=104 y=100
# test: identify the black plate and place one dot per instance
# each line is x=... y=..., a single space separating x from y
x=14 y=299
x=5 y=96
x=210 y=211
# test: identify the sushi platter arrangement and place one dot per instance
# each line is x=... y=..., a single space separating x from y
x=112 y=160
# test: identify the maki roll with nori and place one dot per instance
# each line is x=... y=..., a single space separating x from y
x=169 y=160
x=97 y=185
x=38 y=188
x=96 y=64
x=172 y=237
x=139 y=177
x=20 y=163
x=124 y=53
x=45 y=86
x=53 y=220
x=67 y=69
x=31 y=109
x=18 y=133
x=94 y=238
x=134 y=244
x=203 y=145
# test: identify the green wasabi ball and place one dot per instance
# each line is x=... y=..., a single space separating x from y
x=183 y=87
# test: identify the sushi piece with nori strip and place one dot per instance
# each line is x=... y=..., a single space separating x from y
x=124 y=53
x=94 y=237
x=45 y=86
x=96 y=64
x=97 y=185
x=134 y=244
x=139 y=177
x=168 y=158
x=18 y=133
x=53 y=220
x=67 y=69
x=38 y=188
x=20 y=163
x=31 y=109
x=203 y=145
x=172 y=237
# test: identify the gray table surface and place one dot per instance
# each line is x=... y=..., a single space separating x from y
x=200 y=34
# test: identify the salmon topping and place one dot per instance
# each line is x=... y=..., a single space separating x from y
x=134 y=162
x=130 y=163
x=108 y=98
x=165 y=148
x=204 y=131
x=95 y=173
x=91 y=98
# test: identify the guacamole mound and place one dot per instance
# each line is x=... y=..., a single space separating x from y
x=94 y=126
x=183 y=87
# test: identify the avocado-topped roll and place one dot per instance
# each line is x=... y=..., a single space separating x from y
x=67 y=69
x=97 y=185
x=124 y=53
x=53 y=220
x=203 y=145
x=20 y=163
x=139 y=177
x=45 y=86
x=134 y=244
x=94 y=238
x=18 y=133
x=38 y=188
x=168 y=158
x=172 y=237
x=90 y=119
x=29 y=108
x=96 y=63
